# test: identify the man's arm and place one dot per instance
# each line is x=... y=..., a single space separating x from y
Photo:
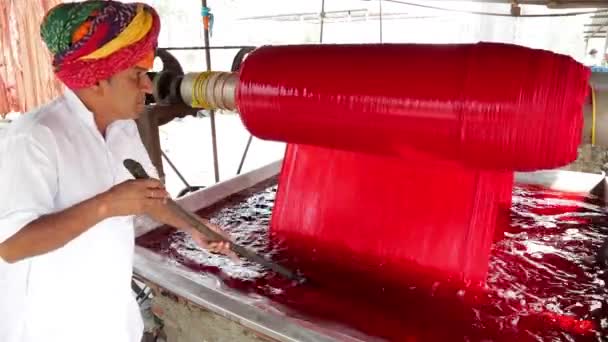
x=28 y=224
x=161 y=212
x=52 y=231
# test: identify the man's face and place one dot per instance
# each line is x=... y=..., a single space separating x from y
x=126 y=92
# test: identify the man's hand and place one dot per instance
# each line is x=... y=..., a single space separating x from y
x=148 y=196
x=134 y=197
x=213 y=247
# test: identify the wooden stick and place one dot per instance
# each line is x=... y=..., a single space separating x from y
x=138 y=172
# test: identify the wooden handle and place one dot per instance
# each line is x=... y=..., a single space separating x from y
x=139 y=172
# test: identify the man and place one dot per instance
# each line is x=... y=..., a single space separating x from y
x=67 y=203
x=592 y=59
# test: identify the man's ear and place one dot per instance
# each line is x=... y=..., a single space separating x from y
x=101 y=87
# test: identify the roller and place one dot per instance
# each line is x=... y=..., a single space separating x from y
x=474 y=103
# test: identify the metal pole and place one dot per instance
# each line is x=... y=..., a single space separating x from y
x=603 y=52
x=181 y=177
x=380 y=5
x=236 y=66
x=238 y=171
x=223 y=47
x=322 y=20
x=147 y=125
x=216 y=167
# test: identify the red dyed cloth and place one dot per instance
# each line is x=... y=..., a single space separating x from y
x=380 y=215
x=493 y=106
x=416 y=147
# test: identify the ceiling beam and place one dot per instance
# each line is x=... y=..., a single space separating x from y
x=557 y=4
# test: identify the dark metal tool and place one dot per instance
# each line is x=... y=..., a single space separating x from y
x=138 y=172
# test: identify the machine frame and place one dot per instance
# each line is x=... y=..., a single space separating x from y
x=260 y=317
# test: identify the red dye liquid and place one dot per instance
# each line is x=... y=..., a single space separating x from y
x=441 y=125
x=386 y=241
x=542 y=283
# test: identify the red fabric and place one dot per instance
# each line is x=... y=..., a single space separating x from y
x=435 y=133
x=489 y=105
x=92 y=44
x=382 y=215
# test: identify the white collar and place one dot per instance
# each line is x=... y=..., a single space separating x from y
x=78 y=107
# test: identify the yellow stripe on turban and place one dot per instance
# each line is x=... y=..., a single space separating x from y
x=137 y=29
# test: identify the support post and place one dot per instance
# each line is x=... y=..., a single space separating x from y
x=216 y=168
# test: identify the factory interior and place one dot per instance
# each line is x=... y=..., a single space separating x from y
x=386 y=170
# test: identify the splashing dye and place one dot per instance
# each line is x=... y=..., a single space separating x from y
x=543 y=283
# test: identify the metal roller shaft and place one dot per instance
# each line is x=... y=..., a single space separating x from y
x=210 y=90
x=217 y=90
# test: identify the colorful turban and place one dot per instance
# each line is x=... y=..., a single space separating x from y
x=93 y=40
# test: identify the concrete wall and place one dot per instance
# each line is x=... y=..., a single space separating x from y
x=594 y=159
x=591 y=159
x=177 y=320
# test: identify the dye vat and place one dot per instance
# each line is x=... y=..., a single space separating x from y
x=543 y=282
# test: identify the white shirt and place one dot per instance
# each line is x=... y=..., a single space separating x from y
x=51 y=159
x=592 y=61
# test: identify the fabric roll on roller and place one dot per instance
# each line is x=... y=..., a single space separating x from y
x=490 y=105
x=400 y=160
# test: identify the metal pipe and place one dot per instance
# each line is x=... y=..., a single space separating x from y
x=210 y=90
x=603 y=52
x=217 y=90
x=236 y=66
x=147 y=125
x=597 y=30
x=216 y=167
x=226 y=47
x=238 y=171
x=322 y=21
x=181 y=177
x=380 y=18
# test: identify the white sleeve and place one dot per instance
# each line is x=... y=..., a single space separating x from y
x=28 y=182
